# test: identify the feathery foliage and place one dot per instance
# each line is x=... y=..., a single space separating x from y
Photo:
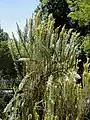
x=47 y=90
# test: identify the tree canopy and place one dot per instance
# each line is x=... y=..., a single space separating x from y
x=74 y=13
x=3 y=35
x=59 y=9
x=81 y=11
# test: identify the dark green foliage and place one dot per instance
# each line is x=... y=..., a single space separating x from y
x=6 y=62
x=7 y=74
x=59 y=9
x=3 y=35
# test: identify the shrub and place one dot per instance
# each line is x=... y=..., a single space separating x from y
x=47 y=90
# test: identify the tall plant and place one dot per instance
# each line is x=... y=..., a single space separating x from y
x=47 y=90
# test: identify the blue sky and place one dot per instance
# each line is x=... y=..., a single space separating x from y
x=12 y=11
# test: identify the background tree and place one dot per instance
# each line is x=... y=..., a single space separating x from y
x=3 y=35
x=74 y=13
x=59 y=9
x=6 y=62
x=7 y=70
x=81 y=11
x=80 y=14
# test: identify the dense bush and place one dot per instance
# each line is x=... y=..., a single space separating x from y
x=7 y=70
x=47 y=90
